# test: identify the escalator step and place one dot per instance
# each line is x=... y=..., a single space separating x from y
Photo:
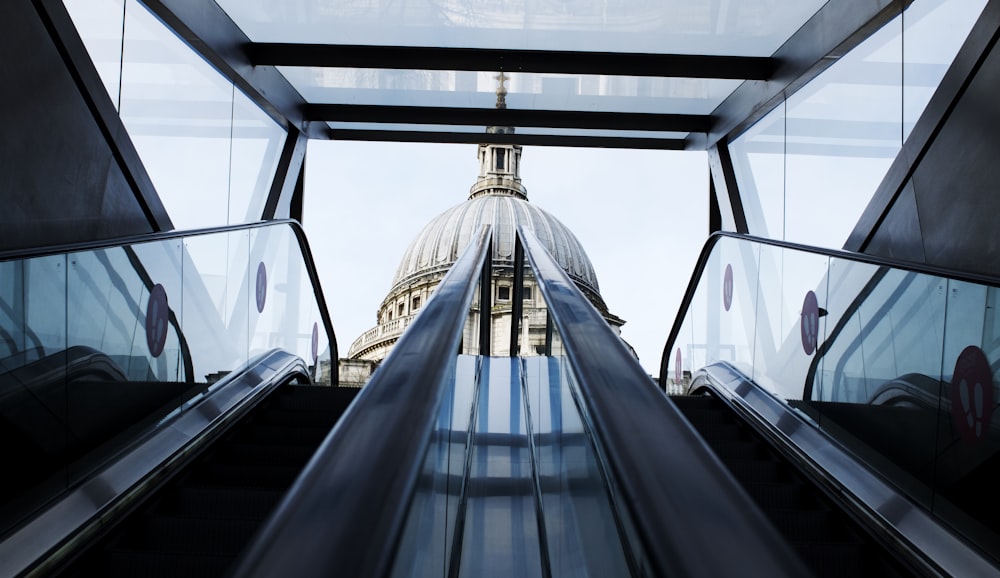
x=835 y=559
x=314 y=398
x=737 y=449
x=780 y=495
x=162 y=533
x=245 y=475
x=283 y=434
x=135 y=564
x=221 y=503
x=265 y=453
x=758 y=471
x=800 y=525
x=297 y=417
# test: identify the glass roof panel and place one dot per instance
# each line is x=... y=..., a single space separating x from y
x=723 y=27
x=525 y=91
x=466 y=129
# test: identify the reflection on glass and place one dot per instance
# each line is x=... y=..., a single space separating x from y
x=470 y=89
x=934 y=30
x=750 y=27
x=98 y=346
x=256 y=149
x=843 y=131
x=99 y=24
x=759 y=163
x=807 y=170
x=900 y=367
x=178 y=111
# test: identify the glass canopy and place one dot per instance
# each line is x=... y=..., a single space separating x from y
x=720 y=27
x=577 y=68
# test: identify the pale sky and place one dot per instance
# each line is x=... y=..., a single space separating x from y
x=642 y=217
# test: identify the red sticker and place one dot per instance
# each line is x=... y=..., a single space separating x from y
x=809 y=323
x=972 y=394
x=727 y=288
x=677 y=366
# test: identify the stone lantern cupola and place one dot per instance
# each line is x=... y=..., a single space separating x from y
x=499 y=164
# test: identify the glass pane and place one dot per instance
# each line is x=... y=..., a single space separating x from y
x=179 y=113
x=500 y=533
x=102 y=346
x=843 y=130
x=470 y=89
x=759 y=163
x=425 y=548
x=257 y=144
x=934 y=31
x=791 y=318
x=99 y=24
x=751 y=27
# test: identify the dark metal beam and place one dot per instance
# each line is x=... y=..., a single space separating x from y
x=479 y=59
x=833 y=31
x=210 y=31
x=506 y=117
x=286 y=176
x=521 y=139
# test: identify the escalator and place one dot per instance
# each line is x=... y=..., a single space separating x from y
x=158 y=395
x=874 y=380
x=200 y=520
x=827 y=539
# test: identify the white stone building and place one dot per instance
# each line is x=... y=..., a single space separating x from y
x=499 y=199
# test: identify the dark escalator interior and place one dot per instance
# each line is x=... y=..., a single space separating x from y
x=828 y=541
x=201 y=519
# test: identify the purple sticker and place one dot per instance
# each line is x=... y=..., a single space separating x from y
x=157 y=315
x=315 y=342
x=678 y=374
x=972 y=394
x=727 y=288
x=261 y=287
x=809 y=323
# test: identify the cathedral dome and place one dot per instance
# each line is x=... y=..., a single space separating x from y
x=443 y=239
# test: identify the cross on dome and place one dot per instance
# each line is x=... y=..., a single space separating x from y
x=501 y=90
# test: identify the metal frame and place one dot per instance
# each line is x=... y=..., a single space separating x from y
x=499 y=138
x=490 y=59
x=287 y=175
x=636 y=121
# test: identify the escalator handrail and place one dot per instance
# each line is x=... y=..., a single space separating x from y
x=675 y=496
x=294 y=225
x=706 y=253
x=913 y=533
x=345 y=513
x=75 y=518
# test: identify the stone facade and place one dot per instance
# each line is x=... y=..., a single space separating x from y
x=498 y=199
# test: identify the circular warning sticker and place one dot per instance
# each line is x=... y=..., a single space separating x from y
x=727 y=288
x=972 y=394
x=809 y=323
x=157 y=318
x=261 y=287
x=315 y=342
